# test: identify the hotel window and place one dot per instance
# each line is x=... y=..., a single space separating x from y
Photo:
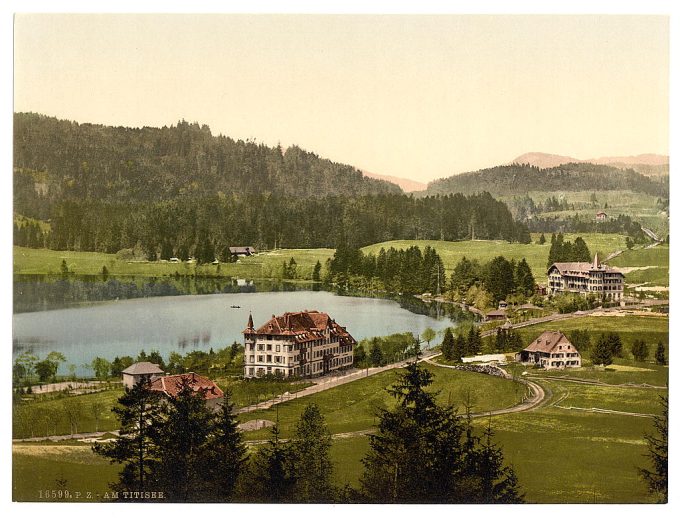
x=269 y=347
x=278 y=348
x=269 y=358
x=260 y=358
x=252 y=358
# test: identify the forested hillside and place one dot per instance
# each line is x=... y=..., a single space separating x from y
x=57 y=160
x=182 y=192
x=520 y=178
x=206 y=227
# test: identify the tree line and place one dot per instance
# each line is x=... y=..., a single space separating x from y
x=562 y=251
x=407 y=270
x=422 y=452
x=578 y=223
x=205 y=228
x=483 y=284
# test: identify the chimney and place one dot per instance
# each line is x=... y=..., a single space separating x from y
x=596 y=261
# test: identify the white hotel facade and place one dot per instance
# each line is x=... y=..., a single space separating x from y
x=300 y=344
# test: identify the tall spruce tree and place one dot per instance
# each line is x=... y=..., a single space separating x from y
x=602 y=354
x=310 y=454
x=497 y=482
x=272 y=477
x=226 y=454
x=416 y=452
x=657 y=446
x=448 y=344
x=660 y=354
x=459 y=348
x=422 y=452
x=183 y=453
x=136 y=447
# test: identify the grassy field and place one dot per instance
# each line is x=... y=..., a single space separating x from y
x=568 y=456
x=250 y=392
x=263 y=265
x=353 y=406
x=37 y=467
x=268 y=264
x=49 y=417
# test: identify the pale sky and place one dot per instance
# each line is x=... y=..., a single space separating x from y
x=419 y=97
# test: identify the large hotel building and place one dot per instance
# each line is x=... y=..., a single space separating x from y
x=585 y=278
x=305 y=343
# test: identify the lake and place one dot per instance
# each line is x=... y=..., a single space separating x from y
x=198 y=322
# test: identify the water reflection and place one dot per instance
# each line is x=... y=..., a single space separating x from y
x=45 y=292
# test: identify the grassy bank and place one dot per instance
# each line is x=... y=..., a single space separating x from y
x=353 y=406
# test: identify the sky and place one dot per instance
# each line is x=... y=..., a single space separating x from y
x=415 y=96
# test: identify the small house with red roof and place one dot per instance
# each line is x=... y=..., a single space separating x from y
x=551 y=350
x=171 y=385
x=303 y=343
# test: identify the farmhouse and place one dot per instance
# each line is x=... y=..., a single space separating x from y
x=171 y=385
x=601 y=216
x=551 y=350
x=242 y=251
x=304 y=343
x=140 y=370
x=585 y=278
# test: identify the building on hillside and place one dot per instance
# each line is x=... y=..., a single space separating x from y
x=139 y=371
x=304 y=343
x=551 y=350
x=496 y=314
x=601 y=216
x=242 y=251
x=502 y=304
x=171 y=385
x=585 y=278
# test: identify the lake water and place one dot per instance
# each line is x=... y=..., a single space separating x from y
x=196 y=322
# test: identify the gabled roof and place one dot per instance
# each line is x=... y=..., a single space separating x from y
x=497 y=313
x=170 y=385
x=302 y=326
x=548 y=341
x=581 y=268
x=141 y=368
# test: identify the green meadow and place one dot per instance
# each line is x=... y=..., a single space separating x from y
x=264 y=265
x=42 y=467
x=267 y=265
x=353 y=406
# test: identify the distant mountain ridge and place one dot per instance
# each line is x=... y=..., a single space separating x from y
x=649 y=164
x=406 y=184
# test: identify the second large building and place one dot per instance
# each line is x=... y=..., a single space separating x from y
x=300 y=344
